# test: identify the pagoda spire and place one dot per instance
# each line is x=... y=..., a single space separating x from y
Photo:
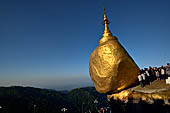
x=105 y=23
x=107 y=35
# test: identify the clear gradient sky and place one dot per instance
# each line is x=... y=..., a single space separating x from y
x=47 y=43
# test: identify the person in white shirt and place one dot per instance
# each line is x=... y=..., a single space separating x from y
x=163 y=73
x=157 y=74
x=143 y=77
x=140 y=79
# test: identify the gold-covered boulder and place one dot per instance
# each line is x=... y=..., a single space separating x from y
x=110 y=66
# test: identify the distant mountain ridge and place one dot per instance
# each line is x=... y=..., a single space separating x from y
x=36 y=100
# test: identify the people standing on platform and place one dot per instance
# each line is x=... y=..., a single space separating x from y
x=140 y=79
x=147 y=76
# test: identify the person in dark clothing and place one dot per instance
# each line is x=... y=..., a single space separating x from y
x=150 y=73
x=143 y=77
x=168 y=70
x=148 y=77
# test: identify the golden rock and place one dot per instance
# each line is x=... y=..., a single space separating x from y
x=110 y=66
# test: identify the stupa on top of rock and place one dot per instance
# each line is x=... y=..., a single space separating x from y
x=111 y=68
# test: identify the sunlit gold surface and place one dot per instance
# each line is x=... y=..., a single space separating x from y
x=110 y=66
x=165 y=95
x=120 y=96
x=155 y=91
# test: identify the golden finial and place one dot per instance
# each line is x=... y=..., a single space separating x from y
x=106 y=22
x=107 y=35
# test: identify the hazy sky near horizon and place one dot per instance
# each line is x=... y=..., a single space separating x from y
x=47 y=43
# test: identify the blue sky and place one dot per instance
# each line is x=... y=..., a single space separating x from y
x=47 y=43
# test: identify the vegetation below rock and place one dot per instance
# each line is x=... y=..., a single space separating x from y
x=34 y=100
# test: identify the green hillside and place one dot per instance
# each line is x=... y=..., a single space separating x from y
x=18 y=99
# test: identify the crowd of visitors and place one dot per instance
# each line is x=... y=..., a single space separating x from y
x=146 y=76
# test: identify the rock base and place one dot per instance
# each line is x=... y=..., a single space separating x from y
x=154 y=98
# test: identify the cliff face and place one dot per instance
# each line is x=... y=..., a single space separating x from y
x=158 y=90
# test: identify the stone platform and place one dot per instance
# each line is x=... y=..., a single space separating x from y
x=158 y=90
